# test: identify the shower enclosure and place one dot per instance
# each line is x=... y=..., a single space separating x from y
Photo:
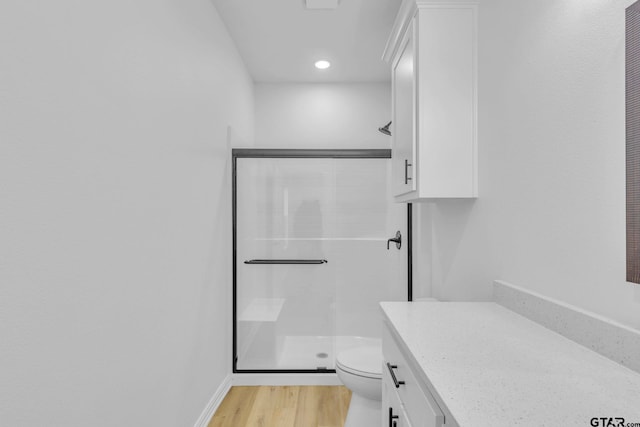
x=310 y=258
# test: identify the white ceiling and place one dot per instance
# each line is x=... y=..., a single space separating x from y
x=280 y=40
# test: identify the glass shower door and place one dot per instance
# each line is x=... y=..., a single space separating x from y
x=311 y=259
x=285 y=277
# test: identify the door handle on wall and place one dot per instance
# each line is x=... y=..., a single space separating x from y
x=406 y=171
x=397 y=240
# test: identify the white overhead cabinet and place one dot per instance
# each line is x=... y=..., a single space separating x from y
x=432 y=52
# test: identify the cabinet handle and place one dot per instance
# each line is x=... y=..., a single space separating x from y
x=392 y=418
x=406 y=171
x=393 y=375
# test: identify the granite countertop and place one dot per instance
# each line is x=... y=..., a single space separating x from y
x=493 y=367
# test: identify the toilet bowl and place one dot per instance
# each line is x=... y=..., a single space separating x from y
x=360 y=370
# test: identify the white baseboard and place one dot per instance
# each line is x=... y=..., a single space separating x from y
x=286 y=379
x=213 y=404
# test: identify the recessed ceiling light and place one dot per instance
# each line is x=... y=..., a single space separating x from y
x=322 y=65
x=322 y=4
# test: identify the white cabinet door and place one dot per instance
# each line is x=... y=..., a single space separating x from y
x=403 y=129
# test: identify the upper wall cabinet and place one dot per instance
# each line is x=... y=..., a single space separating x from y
x=432 y=53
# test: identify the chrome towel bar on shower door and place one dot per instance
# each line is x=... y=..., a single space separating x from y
x=286 y=261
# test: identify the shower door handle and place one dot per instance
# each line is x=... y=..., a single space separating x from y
x=286 y=261
x=397 y=240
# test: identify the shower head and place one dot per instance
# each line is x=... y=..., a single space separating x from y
x=385 y=129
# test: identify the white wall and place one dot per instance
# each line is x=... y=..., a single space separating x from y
x=114 y=223
x=551 y=212
x=319 y=115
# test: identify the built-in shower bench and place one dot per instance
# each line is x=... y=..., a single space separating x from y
x=262 y=310
x=257 y=324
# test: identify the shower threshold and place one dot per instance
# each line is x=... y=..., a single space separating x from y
x=306 y=353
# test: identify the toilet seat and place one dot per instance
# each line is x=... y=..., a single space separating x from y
x=362 y=361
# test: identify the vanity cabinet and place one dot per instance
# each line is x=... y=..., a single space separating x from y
x=481 y=364
x=432 y=53
x=405 y=400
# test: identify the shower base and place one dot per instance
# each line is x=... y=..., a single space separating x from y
x=306 y=353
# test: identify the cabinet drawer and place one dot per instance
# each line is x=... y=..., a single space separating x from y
x=393 y=411
x=420 y=406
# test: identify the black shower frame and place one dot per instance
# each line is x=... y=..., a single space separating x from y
x=237 y=153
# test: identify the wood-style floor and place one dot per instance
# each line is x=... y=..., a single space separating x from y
x=283 y=406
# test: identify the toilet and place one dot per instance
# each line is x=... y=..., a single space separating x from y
x=360 y=370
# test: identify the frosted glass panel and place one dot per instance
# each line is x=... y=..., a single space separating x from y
x=335 y=212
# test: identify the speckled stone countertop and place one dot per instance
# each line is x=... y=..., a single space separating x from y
x=493 y=367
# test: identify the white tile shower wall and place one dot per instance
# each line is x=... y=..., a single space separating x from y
x=612 y=340
x=114 y=200
x=338 y=116
x=551 y=211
